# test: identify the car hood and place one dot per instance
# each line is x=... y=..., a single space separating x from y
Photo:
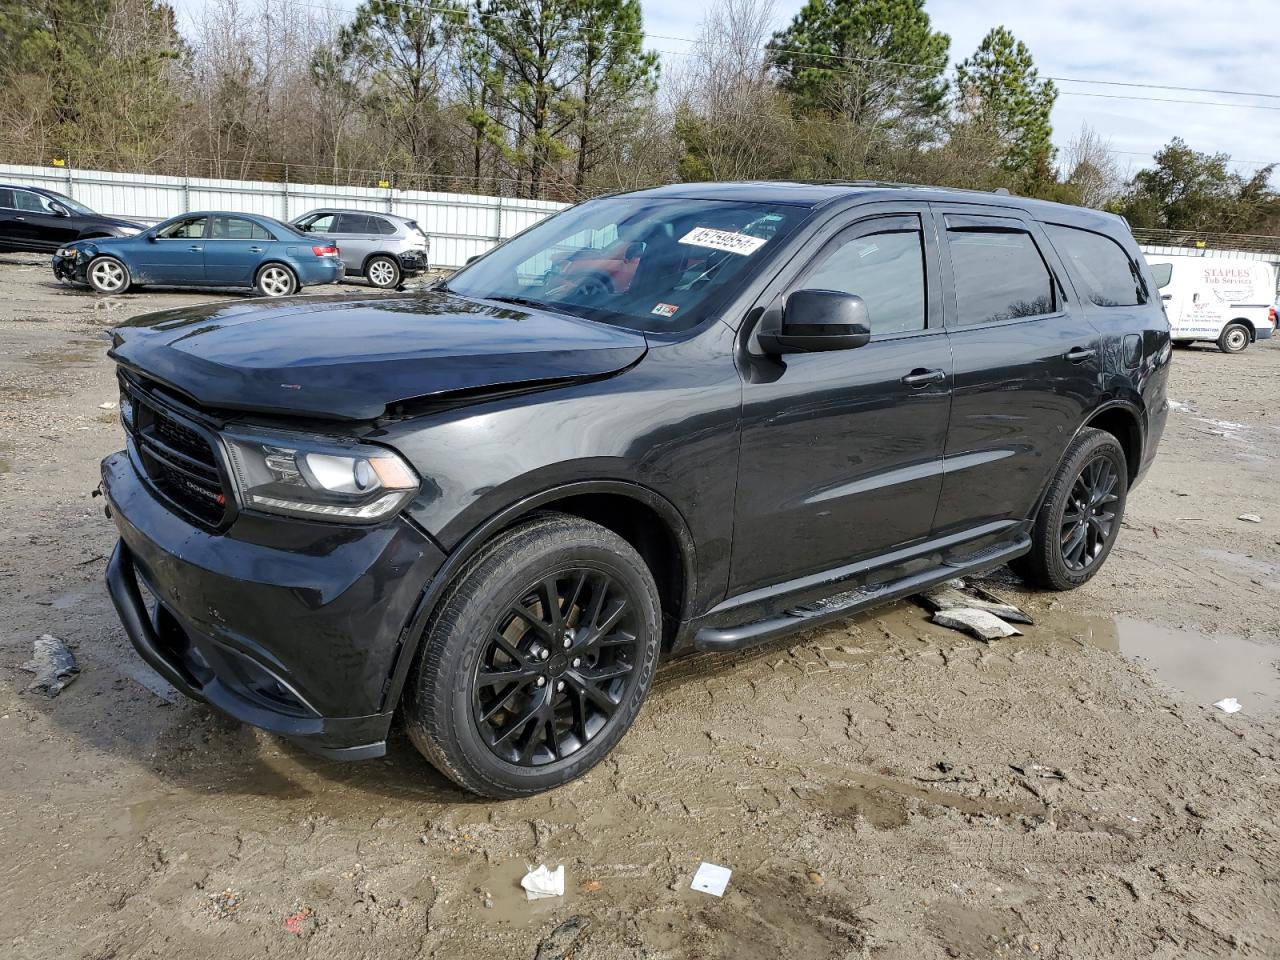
x=346 y=358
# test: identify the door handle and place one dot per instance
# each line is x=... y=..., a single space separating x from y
x=194 y=248
x=1080 y=354
x=23 y=219
x=255 y=249
x=922 y=378
x=1167 y=296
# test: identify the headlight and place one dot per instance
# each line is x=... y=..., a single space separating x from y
x=316 y=478
x=68 y=253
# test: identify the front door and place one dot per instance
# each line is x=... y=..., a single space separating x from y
x=841 y=452
x=38 y=226
x=176 y=255
x=1026 y=367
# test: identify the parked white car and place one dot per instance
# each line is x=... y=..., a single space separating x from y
x=1226 y=300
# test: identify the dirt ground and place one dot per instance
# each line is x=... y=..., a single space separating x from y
x=881 y=788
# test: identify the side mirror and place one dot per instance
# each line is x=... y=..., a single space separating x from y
x=818 y=320
x=59 y=210
x=472 y=259
x=151 y=236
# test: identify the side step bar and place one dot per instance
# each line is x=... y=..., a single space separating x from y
x=816 y=613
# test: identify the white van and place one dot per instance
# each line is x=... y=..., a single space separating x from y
x=1224 y=299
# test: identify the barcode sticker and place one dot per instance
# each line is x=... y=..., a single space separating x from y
x=739 y=243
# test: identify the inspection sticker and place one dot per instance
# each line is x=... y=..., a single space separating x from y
x=739 y=243
x=665 y=309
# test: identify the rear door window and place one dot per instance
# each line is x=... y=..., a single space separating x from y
x=354 y=223
x=238 y=228
x=1108 y=277
x=998 y=273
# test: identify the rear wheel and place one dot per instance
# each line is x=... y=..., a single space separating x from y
x=1234 y=338
x=383 y=272
x=1080 y=518
x=108 y=275
x=275 y=280
x=537 y=660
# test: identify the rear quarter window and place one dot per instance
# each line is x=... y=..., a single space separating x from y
x=1100 y=265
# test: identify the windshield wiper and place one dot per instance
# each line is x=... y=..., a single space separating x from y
x=524 y=302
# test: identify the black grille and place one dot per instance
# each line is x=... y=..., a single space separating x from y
x=176 y=456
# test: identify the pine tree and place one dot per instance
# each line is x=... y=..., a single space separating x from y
x=876 y=63
x=1001 y=93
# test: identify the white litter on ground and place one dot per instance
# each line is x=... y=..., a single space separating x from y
x=541 y=882
x=1249 y=518
x=711 y=879
x=981 y=623
x=1229 y=705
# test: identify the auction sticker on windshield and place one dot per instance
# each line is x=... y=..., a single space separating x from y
x=739 y=243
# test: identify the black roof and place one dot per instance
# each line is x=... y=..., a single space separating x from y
x=823 y=193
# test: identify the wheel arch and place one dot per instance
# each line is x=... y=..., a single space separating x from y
x=364 y=264
x=1246 y=322
x=279 y=262
x=1123 y=422
x=641 y=516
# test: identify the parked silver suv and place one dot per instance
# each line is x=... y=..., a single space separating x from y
x=381 y=247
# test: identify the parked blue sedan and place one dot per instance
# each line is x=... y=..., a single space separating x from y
x=204 y=250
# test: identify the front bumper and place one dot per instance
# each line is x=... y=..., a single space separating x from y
x=291 y=626
x=70 y=268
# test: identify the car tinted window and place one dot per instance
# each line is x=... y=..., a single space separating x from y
x=1109 y=277
x=999 y=275
x=383 y=226
x=190 y=228
x=6 y=198
x=1163 y=273
x=885 y=269
x=238 y=228
x=354 y=223
x=32 y=202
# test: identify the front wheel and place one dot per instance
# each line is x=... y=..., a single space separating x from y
x=1080 y=518
x=537 y=660
x=275 y=280
x=1234 y=338
x=108 y=275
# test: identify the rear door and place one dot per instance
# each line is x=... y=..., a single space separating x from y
x=177 y=253
x=841 y=455
x=8 y=221
x=234 y=250
x=1026 y=366
x=357 y=237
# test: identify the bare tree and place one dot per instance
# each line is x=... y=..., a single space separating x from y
x=1091 y=167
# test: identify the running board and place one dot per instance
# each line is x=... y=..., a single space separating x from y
x=816 y=613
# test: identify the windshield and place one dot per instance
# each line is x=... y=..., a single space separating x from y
x=72 y=205
x=654 y=265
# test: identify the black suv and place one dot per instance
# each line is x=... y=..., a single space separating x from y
x=689 y=418
x=32 y=218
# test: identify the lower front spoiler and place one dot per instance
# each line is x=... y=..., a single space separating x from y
x=340 y=738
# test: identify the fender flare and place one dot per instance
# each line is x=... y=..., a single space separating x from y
x=1115 y=404
x=469 y=546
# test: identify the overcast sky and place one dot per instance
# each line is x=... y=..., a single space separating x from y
x=1219 y=44
x=1231 y=45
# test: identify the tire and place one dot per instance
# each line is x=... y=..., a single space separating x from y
x=1234 y=338
x=505 y=739
x=1057 y=560
x=383 y=272
x=275 y=280
x=108 y=275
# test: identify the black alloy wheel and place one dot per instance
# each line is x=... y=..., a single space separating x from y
x=1079 y=519
x=1090 y=516
x=555 y=666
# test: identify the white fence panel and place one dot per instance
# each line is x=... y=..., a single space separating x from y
x=460 y=225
